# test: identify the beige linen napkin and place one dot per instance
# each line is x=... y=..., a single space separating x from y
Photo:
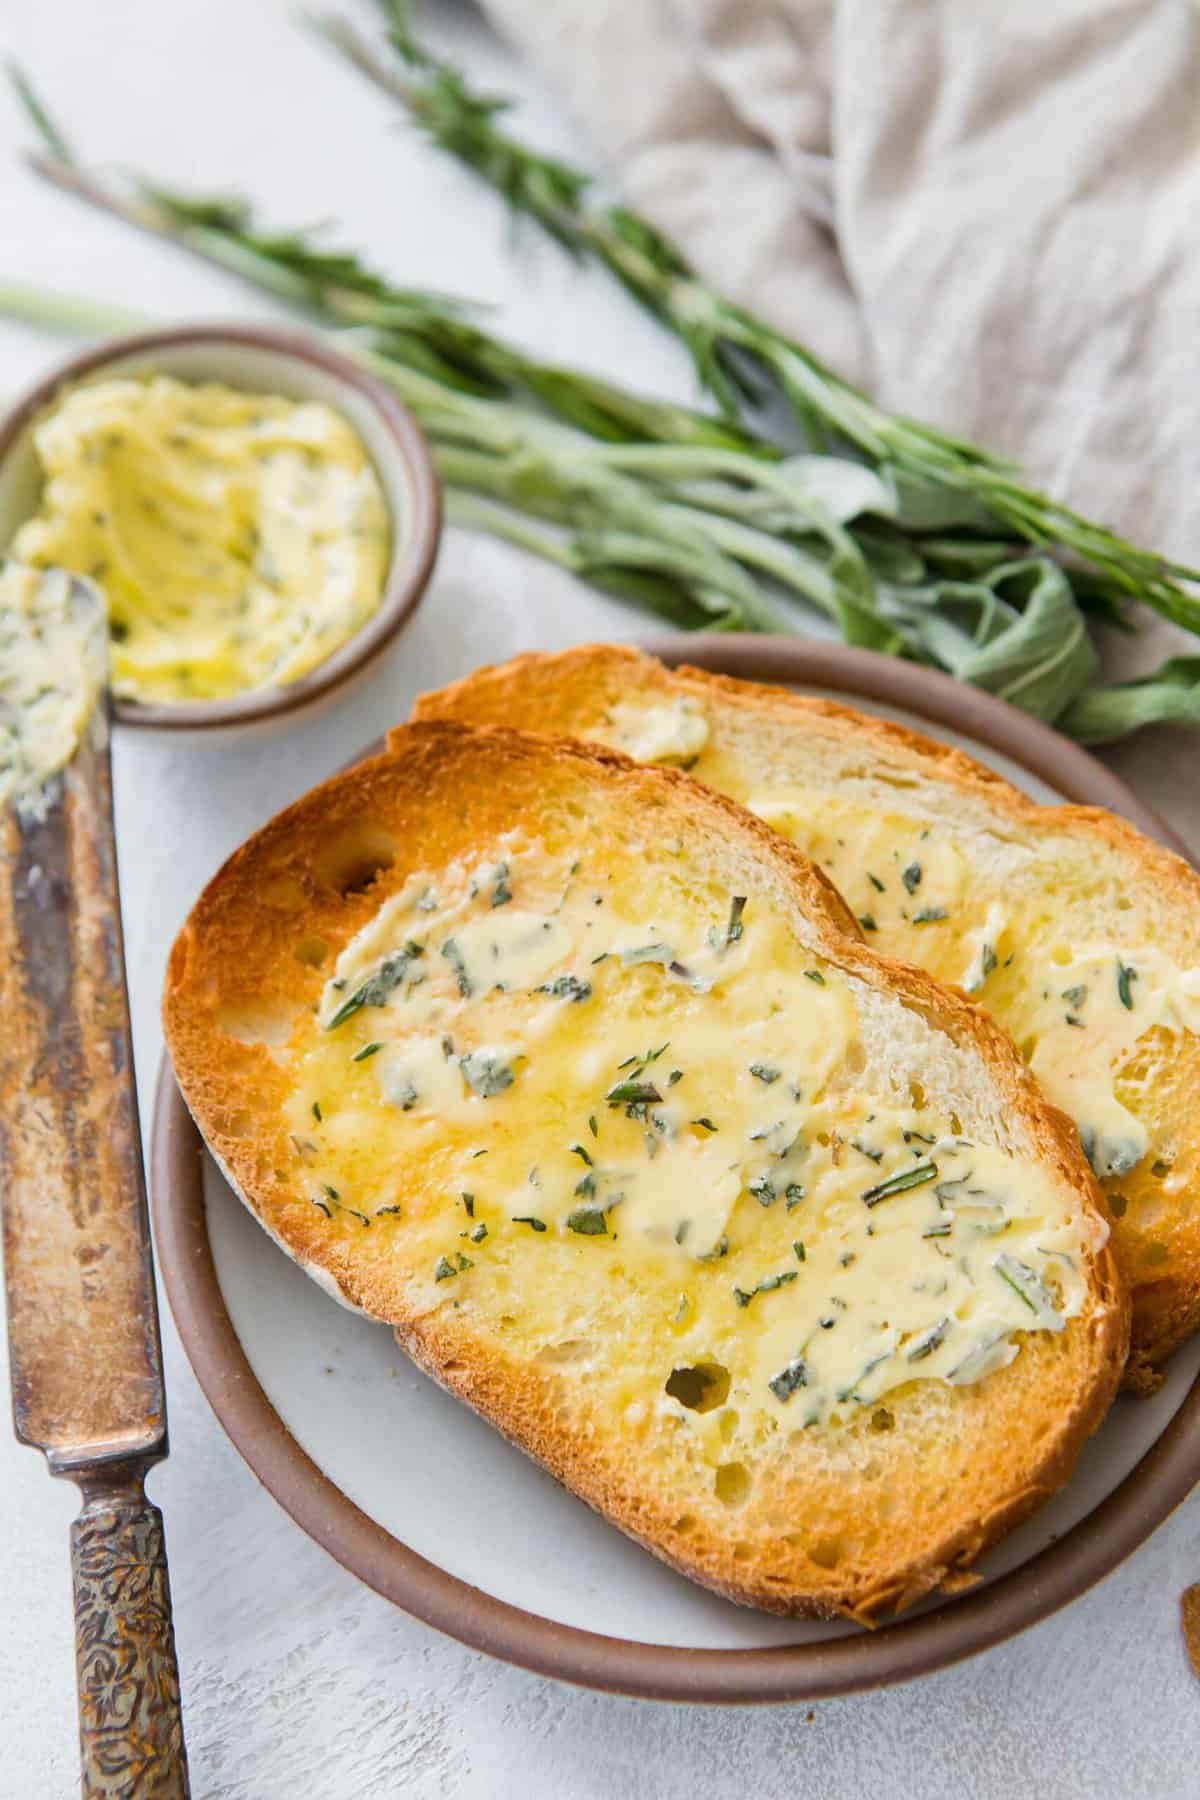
x=986 y=211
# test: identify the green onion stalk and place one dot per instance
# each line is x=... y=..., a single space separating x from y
x=698 y=519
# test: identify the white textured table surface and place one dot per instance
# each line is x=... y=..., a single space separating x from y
x=297 y=1681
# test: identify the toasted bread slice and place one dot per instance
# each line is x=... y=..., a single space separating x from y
x=583 y=1079
x=1079 y=935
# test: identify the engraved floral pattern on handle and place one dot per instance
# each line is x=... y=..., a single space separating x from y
x=130 y=1730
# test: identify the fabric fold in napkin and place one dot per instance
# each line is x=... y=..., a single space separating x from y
x=985 y=211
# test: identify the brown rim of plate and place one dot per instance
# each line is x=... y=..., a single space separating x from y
x=412 y=556
x=959 y=1627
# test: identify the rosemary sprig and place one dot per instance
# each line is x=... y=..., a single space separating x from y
x=464 y=123
x=743 y=361
x=47 y=129
x=431 y=333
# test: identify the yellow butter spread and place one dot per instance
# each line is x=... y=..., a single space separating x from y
x=1077 y=1012
x=52 y=666
x=239 y=538
x=674 y=732
x=641 y=1145
x=1085 y=1021
x=926 y=890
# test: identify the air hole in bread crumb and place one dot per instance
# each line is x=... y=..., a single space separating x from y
x=701 y=1388
x=827 y=1553
x=571 y=1350
x=728 y=1424
x=882 y=1419
x=916 y=1095
x=283 y=891
x=351 y=862
x=311 y=951
x=684 y=1524
x=733 y=1483
x=1155 y=1254
x=258 y=1021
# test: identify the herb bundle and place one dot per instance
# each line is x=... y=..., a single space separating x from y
x=909 y=541
x=742 y=361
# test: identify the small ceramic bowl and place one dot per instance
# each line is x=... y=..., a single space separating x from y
x=267 y=360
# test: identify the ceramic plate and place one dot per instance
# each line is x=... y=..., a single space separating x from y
x=431 y=1507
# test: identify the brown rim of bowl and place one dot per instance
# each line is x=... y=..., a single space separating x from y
x=412 y=558
x=959 y=1627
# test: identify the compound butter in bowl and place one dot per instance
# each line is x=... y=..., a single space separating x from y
x=261 y=514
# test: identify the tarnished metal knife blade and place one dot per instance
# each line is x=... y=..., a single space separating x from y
x=82 y=1321
x=86 y=1363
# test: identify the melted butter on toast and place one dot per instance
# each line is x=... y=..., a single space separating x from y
x=1077 y=1013
x=647 y=1141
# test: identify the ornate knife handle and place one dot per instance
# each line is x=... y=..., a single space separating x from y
x=130 y=1728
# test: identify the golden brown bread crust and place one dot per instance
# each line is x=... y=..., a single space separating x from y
x=247 y=959
x=562 y=692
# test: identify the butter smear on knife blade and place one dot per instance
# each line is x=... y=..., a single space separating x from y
x=52 y=667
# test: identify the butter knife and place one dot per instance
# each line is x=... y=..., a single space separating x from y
x=86 y=1361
